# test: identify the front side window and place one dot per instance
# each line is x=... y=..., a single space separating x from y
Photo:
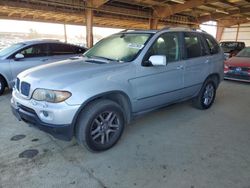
x=167 y=45
x=123 y=47
x=38 y=50
x=192 y=45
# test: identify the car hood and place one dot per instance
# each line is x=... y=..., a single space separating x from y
x=62 y=73
x=238 y=62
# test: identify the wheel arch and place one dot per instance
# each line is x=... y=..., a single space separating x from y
x=119 y=97
x=215 y=77
x=5 y=80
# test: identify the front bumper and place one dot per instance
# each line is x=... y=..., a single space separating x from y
x=62 y=132
x=237 y=77
x=56 y=119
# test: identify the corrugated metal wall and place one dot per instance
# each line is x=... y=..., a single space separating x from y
x=230 y=34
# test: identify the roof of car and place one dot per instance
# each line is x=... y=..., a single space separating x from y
x=41 y=41
x=231 y=42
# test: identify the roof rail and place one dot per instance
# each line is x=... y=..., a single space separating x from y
x=182 y=29
x=126 y=30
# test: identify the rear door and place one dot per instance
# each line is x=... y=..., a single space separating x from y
x=34 y=55
x=197 y=62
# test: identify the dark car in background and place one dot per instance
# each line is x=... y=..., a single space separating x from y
x=238 y=67
x=24 y=55
x=231 y=48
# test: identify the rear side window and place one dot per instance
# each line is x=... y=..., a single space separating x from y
x=38 y=50
x=212 y=45
x=192 y=45
x=64 y=49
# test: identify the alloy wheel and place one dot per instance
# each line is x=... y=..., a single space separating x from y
x=105 y=127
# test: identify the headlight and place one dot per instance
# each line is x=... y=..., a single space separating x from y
x=50 y=95
x=226 y=67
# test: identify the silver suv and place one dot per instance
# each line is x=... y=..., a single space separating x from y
x=21 y=56
x=129 y=73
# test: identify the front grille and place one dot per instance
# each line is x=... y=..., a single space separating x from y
x=17 y=84
x=27 y=109
x=237 y=76
x=242 y=68
x=25 y=88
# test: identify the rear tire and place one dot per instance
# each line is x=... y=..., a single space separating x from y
x=100 y=125
x=2 y=85
x=206 y=96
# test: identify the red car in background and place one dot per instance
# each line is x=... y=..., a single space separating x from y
x=238 y=67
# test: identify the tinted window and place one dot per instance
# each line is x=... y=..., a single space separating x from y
x=37 y=50
x=167 y=45
x=212 y=45
x=192 y=45
x=64 y=49
x=244 y=53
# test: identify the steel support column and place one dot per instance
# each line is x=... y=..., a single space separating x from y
x=65 y=32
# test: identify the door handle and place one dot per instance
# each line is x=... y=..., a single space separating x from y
x=45 y=59
x=180 y=67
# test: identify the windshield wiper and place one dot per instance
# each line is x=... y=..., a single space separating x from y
x=100 y=57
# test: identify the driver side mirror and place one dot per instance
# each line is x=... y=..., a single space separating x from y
x=158 y=60
x=19 y=56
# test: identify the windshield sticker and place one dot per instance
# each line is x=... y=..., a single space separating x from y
x=135 y=46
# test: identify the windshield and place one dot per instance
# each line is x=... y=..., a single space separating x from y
x=122 y=47
x=9 y=49
x=228 y=46
x=244 y=53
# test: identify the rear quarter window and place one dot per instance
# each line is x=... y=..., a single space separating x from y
x=213 y=46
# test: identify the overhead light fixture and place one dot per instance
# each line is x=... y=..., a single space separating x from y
x=178 y=1
x=221 y=11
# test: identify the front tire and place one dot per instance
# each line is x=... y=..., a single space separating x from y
x=206 y=96
x=2 y=85
x=100 y=125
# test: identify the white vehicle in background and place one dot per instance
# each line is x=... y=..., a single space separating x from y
x=24 y=55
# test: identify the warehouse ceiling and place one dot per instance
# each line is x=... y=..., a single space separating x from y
x=129 y=13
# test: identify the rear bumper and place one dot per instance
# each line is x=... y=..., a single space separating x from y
x=62 y=132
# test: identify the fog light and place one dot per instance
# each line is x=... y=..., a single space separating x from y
x=46 y=114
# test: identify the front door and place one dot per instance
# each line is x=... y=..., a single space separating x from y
x=34 y=55
x=159 y=85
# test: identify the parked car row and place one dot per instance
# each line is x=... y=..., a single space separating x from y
x=92 y=97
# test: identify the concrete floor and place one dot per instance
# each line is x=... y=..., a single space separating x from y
x=176 y=147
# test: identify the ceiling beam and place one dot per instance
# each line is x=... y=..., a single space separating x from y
x=96 y=3
x=216 y=16
x=228 y=3
x=163 y=12
x=232 y=22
